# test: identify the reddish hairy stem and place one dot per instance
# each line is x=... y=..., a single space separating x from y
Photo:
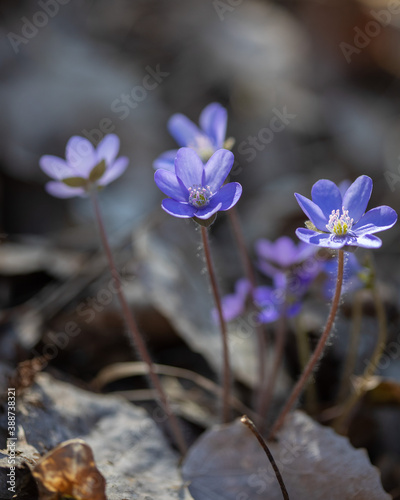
x=298 y=388
x=134 y=331
x=226 y=384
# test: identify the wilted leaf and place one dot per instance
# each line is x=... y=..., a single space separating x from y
x=69 y=471
x=383 y=391
x=227 y=463
x=75 y=182
x=97 y=171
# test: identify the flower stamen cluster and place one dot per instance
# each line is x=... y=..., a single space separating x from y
x=339 y=224
x=199 y=196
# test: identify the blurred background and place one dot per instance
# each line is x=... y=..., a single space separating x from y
x=328 y=68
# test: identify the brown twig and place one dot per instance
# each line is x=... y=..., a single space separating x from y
x=246 y=421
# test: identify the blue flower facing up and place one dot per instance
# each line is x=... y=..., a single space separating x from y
x=337 y=221
x=195 y=189
x=84 y=167
x=205 y=140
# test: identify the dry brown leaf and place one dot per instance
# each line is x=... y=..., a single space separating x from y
x=227 y=463
x=69 y=470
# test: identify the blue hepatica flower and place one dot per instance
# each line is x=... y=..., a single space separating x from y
x=282 y=254
x=205 y=140
x=273 y=302
x=84 y=167
x=336 y=220
x=270 y=301
x=292 y=269
x=195 y=189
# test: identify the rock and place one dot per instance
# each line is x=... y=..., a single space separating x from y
x=129 y=450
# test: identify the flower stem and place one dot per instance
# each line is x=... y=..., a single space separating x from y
x=225 y=349
x=341 y=423
x=298 y=388
x=134 y=331
x=246 y=421
x=249 y=271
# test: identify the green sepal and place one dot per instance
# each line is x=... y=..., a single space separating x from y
x=205 y=222
x=229 y=143
x=310 y=225
x=97 y=171
x=75 y=182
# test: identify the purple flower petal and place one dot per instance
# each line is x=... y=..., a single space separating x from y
x=208 y=211
x=228 y=196
x=178 y=209
x=343 y=187
x=169 y=184
x=217 y=169
x=108 y=148
x=294 y=309
x=183 y=130
x=166 y=160
x=114 y=171
x=188 y=167
x=60 y=190
x=267 y=268
x=357 y=197
x=313 y=212
x=375 y=220
x=368 y=241
x=269 y=314
x=81 y=155
x=326 y=240
x=327 y=196
x=304 y=251
x=213 y=121
x=265 y=298
x=283 y=252
x=55 y=167
x=242 y=287
x=233 y=305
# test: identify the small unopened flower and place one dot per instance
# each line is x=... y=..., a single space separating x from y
x=195 y=189
x=338 y=220
x=205 y=140
x=85 y=166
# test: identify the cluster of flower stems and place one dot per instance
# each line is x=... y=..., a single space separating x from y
x=265 y=389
